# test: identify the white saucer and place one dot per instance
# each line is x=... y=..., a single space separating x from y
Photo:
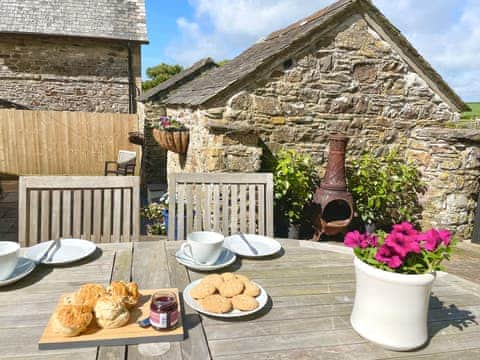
x=68 y=251
x=24 y=267
x=262 y=301
x=226 y=258
x=249 y=245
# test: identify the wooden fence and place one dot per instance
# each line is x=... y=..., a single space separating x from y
x=62 y=143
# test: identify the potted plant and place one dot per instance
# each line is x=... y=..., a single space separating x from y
x=385 y=190
x=171 y=135
x=394 y=276
x=154 y=217
x=294 y=179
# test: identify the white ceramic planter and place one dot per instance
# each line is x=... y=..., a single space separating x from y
x=391 y=309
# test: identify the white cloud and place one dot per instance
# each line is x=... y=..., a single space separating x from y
x=445 y=32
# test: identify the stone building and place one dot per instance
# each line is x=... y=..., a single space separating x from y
x=345 y=69
x=71 y=55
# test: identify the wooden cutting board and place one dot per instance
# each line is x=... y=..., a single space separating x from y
x=126 y=335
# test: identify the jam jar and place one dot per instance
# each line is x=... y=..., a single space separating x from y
x=164 y=310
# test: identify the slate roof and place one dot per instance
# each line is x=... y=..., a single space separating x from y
x=223 y=81
x=110 y=19
x=178 y=79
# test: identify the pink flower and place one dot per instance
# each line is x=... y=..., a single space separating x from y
x=402 y=244
x=431 y=240
x=445 y=235
x=372 y=240
x=405 y=228
x=354 y=239
x=387 y=255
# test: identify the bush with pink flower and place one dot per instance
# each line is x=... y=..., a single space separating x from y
x=168 y=124
x=403 y=250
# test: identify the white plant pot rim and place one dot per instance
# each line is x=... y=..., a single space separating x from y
x=408 y=279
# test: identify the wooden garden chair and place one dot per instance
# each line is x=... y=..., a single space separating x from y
x=124 y=165
x=96 y=208
x=225 y=203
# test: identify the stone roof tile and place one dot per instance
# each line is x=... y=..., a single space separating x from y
x=111 y=19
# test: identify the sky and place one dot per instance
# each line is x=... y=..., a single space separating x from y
x=445 y=32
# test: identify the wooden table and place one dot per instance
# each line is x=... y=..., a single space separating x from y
x=311 y=287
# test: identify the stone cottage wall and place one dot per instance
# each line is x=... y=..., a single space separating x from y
x=449 y=162
x=353 y=83
x=59 y=73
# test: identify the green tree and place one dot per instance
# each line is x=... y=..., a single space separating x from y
x=222 y=62
x=159 y=74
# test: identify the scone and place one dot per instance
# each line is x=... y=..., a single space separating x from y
x=71 y=320
x=87 y=295
x=216 y=304
x=202 y=290
x=214 y=279
x=251 y=289
x=244 y=303
x=111 y=312
x=231 y=288
x=128 y=292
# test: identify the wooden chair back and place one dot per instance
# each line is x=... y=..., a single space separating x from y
x=126 y=157
x=96 y=208
x=225 y=203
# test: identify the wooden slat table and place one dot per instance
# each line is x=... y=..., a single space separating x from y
x=311 y=287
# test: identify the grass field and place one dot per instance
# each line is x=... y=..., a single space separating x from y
x=475 y=113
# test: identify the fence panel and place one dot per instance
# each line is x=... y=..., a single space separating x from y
x=62 y=143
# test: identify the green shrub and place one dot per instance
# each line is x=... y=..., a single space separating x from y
x=295 y=179
x=385 y=189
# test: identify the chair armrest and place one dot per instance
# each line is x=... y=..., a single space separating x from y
x=107 y=163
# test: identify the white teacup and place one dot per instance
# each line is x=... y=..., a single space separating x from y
x=8 y=258
x=204 y=247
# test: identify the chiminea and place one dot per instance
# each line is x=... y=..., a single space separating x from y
x=334 y=210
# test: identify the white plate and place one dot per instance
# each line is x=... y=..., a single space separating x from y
x=226 y=258
x=262 y=301
x=68 y=251
x=24 y=267
x=249 y=245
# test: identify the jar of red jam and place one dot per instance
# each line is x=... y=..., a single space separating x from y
x=164 y=310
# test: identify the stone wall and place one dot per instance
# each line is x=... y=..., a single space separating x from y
x=350 y=82
x=60 y=73
x=449 y=162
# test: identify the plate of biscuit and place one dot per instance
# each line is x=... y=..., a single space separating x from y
x=226 y=295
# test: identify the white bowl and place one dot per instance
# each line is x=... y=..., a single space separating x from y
x=8 y=258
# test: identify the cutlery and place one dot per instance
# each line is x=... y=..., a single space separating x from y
x=55 y=243
x=252 y=249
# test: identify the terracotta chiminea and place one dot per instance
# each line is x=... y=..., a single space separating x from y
x=335 y=204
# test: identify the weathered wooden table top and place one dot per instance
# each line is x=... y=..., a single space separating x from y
x=311 y=287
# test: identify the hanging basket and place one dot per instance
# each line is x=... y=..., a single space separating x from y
x=172 y=140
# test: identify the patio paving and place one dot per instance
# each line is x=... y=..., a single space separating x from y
x=465 y=262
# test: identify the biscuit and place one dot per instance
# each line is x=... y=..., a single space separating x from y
x=242 y=278
x=216 y=304
x=111 y=312
x=228 y=276
x=231 y=288
x=202 y=290
x=251 y=289
x=244 y=303
x=214 y=279
x=87 y=295
x=71 y=320
x=128 y=292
